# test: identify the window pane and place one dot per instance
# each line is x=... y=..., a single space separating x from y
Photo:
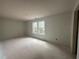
x=41 y=26
x=34 y=27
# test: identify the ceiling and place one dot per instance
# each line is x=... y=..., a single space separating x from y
x=30 y=9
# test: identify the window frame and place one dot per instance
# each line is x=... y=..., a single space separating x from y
x=38 y=27
x=33 y=28
x=43 y=28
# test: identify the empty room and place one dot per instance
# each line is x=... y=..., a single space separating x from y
x=39 y=29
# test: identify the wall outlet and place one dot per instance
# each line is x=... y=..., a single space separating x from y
x=56 y=39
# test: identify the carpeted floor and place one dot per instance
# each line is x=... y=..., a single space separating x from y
x=31 y=48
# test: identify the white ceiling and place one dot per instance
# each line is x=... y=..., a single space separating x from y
x=30 y=9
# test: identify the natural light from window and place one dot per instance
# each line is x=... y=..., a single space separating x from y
x=34 y=27
x=38 y=27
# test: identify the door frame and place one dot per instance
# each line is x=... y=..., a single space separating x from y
x=75 y=31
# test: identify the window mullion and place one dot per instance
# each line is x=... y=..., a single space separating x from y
x=37 y=27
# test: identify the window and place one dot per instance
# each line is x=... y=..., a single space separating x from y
x=34 y=27
x=38 y=27
x=41 y=27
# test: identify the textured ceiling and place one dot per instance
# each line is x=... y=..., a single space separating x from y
x=30 y=9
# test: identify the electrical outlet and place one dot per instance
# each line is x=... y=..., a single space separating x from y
x=56 y=39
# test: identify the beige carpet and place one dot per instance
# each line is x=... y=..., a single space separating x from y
x=30 y=48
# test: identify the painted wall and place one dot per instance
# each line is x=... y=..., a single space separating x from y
x=57 y=26
x=11 y=28
x=78 y=43
x=76 y=4
x=1 y=29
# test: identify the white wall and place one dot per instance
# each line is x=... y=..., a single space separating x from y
x=78 y=43
x=57 y=26
x=76 y=4
x=1 y=29
x=11 y=28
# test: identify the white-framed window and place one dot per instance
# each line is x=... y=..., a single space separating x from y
x=38 y=27
x=34 y=27
x=41 y=27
